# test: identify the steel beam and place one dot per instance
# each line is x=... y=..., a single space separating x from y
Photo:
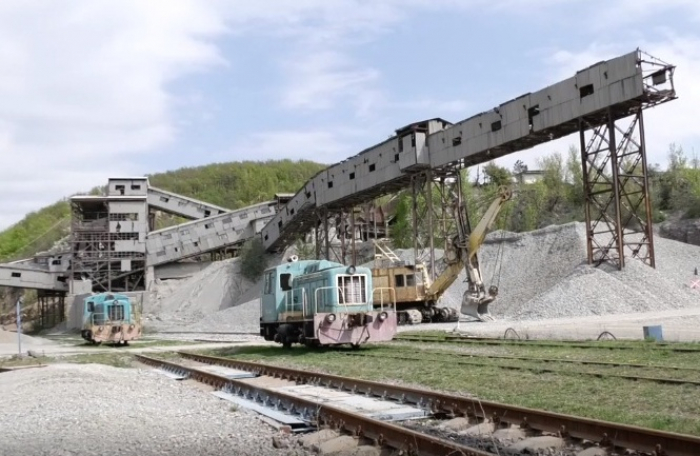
x=617 y=202
x=436 y=194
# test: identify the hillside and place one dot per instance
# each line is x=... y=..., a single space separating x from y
x=231 y=185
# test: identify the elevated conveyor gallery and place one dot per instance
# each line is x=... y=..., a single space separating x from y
x=606 y=91
x=211 y=234
x=31 y=278
x=181 y=205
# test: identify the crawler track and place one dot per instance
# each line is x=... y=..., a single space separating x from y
x=451 y=358
x=385 y=434
x=647 y=441
x=542 y=343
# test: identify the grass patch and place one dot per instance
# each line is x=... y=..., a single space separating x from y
x=647 y=404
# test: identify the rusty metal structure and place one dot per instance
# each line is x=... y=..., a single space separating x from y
x=616 y=188
x=52 y=307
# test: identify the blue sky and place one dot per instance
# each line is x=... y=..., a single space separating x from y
x=142 y=87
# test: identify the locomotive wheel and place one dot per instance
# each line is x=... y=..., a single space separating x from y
x=285 y=333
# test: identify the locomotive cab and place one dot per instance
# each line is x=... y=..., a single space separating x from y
x=319 y=302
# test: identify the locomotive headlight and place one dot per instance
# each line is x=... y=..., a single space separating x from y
x=383 y=316
x=330 y=318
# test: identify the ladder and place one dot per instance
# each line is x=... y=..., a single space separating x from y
x=386 y=252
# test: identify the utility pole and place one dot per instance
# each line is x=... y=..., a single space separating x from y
x=19 y=325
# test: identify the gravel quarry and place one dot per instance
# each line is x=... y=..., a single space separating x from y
x=542 y=276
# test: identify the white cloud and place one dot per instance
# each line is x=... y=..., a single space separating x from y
x=84 y=89
x=318 y=80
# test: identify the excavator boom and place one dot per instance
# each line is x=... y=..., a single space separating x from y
x=478 y=234
x=476 y=300
x=463 y=255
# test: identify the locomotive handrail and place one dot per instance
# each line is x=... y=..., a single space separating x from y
x=393 y=292
x=330 y=287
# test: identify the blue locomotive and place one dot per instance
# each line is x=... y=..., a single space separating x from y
x=109 y=317
x=320 y=303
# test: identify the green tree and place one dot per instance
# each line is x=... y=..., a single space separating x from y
x=253 y=259
x=497 y=175
x=401 y=231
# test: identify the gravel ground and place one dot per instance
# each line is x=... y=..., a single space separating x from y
x=94 y=409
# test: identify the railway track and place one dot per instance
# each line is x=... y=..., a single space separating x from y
x=415 y=439
x=540 y=343
x=450 y=358
x=380 y=432
x=588 y=362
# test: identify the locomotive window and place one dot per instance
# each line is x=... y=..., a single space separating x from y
x=91 y=306
x=398 y=280
x=286 y=282
x=410 y=280
x=116 y=312
x=352 y=289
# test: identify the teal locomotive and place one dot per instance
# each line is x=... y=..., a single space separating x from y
x=110 y=317
x=321 y=303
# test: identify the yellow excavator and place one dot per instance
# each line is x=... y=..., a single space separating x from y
x=416 y=295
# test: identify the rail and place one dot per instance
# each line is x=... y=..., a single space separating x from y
x=605 y=433
x=449 y=358
x=386 y=434
x=542 y=343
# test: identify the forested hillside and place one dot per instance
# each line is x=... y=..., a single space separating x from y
x=231 y=185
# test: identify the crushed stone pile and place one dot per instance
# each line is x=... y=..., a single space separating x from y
x=544 y=274
x=217 y=298
x=160 y=416
x=182 y=302
x=541 y=275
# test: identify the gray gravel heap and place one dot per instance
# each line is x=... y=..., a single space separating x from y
x=95 y=409
x=541 y=274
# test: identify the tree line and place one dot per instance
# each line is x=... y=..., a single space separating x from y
x=558 y=196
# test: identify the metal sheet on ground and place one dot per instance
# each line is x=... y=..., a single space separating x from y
x=170 y=374
x=228 y=372
x=291 y=421
x=375 y=408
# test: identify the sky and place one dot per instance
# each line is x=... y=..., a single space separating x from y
x=93 y=89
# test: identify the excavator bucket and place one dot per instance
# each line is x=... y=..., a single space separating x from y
x=478 y=307
x=478 y=310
